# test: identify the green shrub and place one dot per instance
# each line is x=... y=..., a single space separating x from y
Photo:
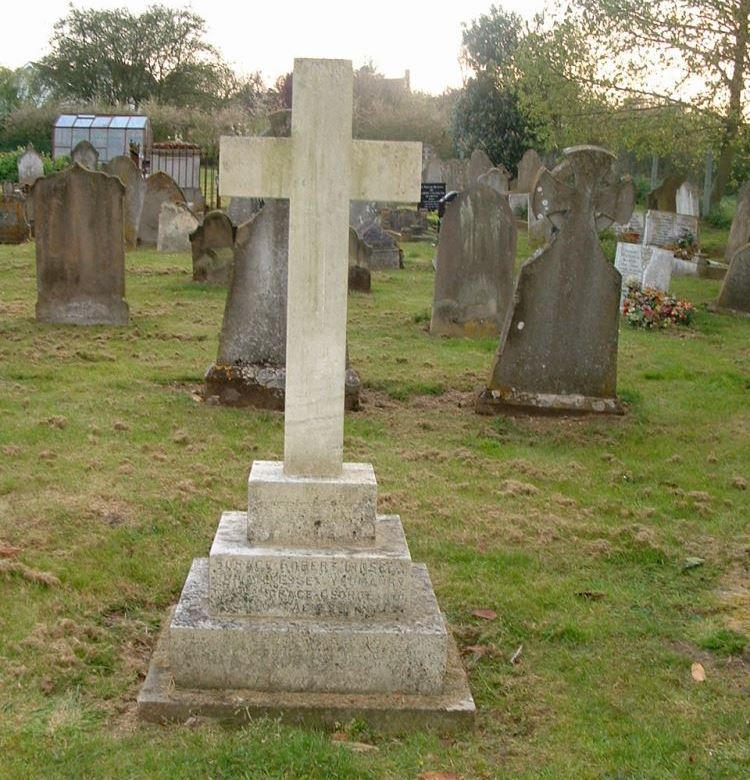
x=9 y=164
x=719 y=218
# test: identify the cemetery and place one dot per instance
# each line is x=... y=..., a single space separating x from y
x=357 y=457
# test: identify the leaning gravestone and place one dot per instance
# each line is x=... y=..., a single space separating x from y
x=474 y=270
x=735 y=291
x=739 y=234
x=85 y=154
x=664 y=197
x=160 y=188
x=650 y=266
x=135 y=190
x=212 y=245
x=80 y=251
x=664 y=228
x=176 y=223
x=360 y=278
x=30 y=166
x=14 y=229
x=309 y=604
x=385 y=253
x=558 y=348
x=527 y=170
x=688 y=200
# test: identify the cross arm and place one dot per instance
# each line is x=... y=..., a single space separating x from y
x=386 y=171
x=255 y=167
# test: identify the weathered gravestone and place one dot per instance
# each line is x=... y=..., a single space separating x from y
x=360 y=278
x=739 y=234
x=664 y=197
x=474 y=270
x=212 y=245
x=80 y=251
x=309 y=604
x=558 y=348
x=527 y=170
x=433 y=171
x=385 y=253
x=30 y=166
x=665 y=228
x=160 y=188
x=241 y=210
x=85 y=154
x=688 y=199
x=649 y=266
x=135 y=190
x=362 y=213
x=176 y=223
x=479 y=164
x=735 y=291
x=497 y=178
x=14 y=229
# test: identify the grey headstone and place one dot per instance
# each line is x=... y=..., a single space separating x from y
x=160 y=188
x=14 y=229
x=735 y=292
x=135 y=190
x=475 y=257
x=456 y=175
x=479 y=163
x=176 y=223
x=250 y=369
x=359 y=263
x=433 y=171
x=241 y=210
x=212 y=246
x=663 y=228
x=497 y=178
x=688 y=199
x=80 y=250
x=30 y=166
x=85 y=154
x=664 y=197
x=9 y=188
x=527 y=170
x=558 y=347
x=649 y=266
x=385 y=252
x=362 y=212
x=739 y=234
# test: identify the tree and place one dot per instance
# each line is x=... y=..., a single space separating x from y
x=117 y=57
x=687 y=58
x=487 y=114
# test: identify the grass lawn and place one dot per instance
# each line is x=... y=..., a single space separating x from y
x=615 y=552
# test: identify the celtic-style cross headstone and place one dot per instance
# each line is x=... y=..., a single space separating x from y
x=320 y=169
x=558 y=348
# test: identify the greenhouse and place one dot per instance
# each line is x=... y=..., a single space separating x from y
x=110 y=135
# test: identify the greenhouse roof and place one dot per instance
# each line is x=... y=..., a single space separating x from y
x=101 y=121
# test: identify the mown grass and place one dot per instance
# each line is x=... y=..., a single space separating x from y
x=578 y=533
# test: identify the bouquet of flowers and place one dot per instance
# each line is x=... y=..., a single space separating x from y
x=649 y=308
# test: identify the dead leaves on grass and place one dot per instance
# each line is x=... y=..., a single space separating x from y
x=10 y=568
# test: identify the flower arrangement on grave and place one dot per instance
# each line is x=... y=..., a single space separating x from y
x=649 y=308
x=686 y=247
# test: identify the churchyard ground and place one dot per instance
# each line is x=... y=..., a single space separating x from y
x=609 y=558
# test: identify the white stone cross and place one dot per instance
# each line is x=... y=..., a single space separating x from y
x=319 y=169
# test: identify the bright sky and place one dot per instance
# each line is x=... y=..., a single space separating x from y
x=397 y=35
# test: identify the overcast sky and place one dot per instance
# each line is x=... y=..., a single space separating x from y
x=397 y=35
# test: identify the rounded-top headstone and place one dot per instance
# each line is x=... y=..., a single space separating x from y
x=135 y=189
x=160 y=188
x=30 y=166
x=85 y=154
x=735 y=292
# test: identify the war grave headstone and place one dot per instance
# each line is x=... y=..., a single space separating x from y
x=85 y=154
x=688 y=199
x=739 y=233
x=135 y=190
x=528 y=168
x=14 y=229
x=735 y=291
x=385 y=253
x=176 y=223
x=30 y=166
x=360 y=278
x=309 y=606
x=160 y=188
x=80 y=250
x=664 y=228
x=476 y=253
x=664 y=197
x=212 y=246
x=650 y=266
x=558 y=348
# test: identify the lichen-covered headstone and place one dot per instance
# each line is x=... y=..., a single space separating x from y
x=30 y=166
x=160 y=188
x=85 y=154
x=475 y=257
x=558 y=348
x=250 y=368
x=176 y=223
x=739 y=234
x=664 y=197
x=735 y=291
x=527 y=170
x=135 y=190
x=80 y=250
x=14 y=229
x=212 y=245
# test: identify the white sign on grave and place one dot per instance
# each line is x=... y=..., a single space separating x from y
x=649 y=265
x=664 y=227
